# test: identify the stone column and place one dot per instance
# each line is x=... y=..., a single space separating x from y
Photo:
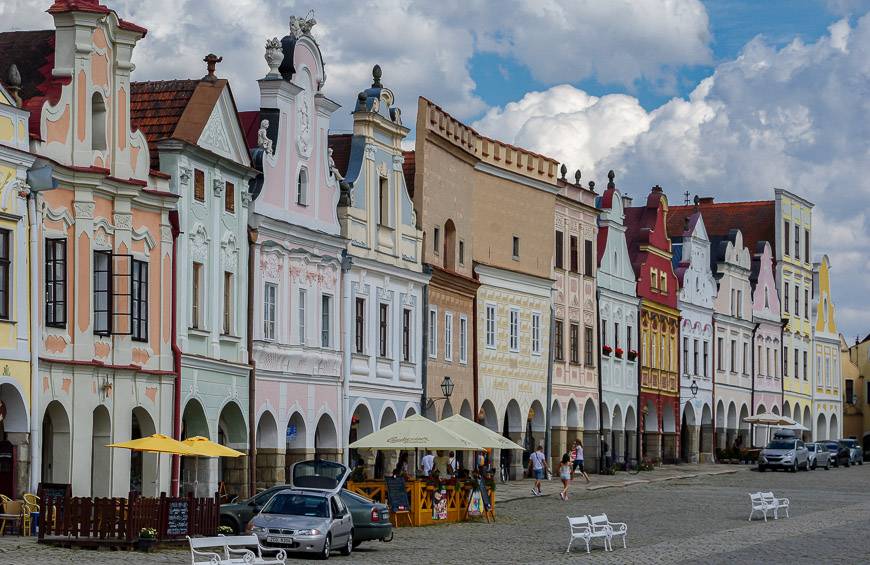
x=652 y=445
x=692 y=450
x=605 y=433
x=295 y=455
x=270 y=468
x=591 y=451
x=730 y=436
x=706 y=444
x=631 y=445
x=235 y=473
x=558 y=446
x=21 y=441
x=331 y=454
x=618 y=446
x=570 y=435
x=669 y=447
x=516 y=456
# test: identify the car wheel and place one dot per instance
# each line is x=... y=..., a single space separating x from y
x=761 y=468
x=828 y=465
x=794 y=467
x=348 y=547
x=815 y=464
x=356 y=544
x=847 y=463
x=327 y=547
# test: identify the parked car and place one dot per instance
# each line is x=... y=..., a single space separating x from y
x=856 y=452
x=788 y=454
x=371 y=520
x=310 y=516
x=818 y=455
x=237 y=514
x=839 y=453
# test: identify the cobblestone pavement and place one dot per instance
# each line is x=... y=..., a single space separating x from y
x=700 y=519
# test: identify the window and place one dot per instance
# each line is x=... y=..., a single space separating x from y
x=536 y=334
x=558 y=347
x=785 y=361
x=359 y=323
x=270 y=295
x=140 y=300
x=776 y=362
x=516 y=247
x=733 y=355
x=786 y=239
x=807 y=246
x=302 y=187
x=797 y=242
x=739 y=303
x=230 y=198
x=383 y=328
x=805 y=365
x=406 y=335
x=490 y=325
x=574 y=343
x=850 y=391
x=514 y=328
x=463 y=339
x=199 y=185
x=604 y=332
x=654 y=279
x=228 y=303
x=5 y=272
x=575 y=255
x=448 y=336
x=461 y=252
x=797 y=373
x=98 y=122
x=628 y=334
x=436 y=239
x=303 y=295
x=807 y=304
x=384 y=202
x=615 y=335
x=685 y=356
x=761 y=367
x=196 y=296
x=818 y=369
x=102 y=292
x=706 y=356
x=720 y=349
x=587 y=346
x=785 y=302
x=325 y=311
x=797 y=301
x=433 y=333
x=560 y=251
x=745 y=358
x=695 y=354
x=587 y=258
x=55 y=283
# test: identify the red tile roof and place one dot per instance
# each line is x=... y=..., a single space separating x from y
x=409 y=167
x=156 y=108
x=340 y=144
x=755 y=219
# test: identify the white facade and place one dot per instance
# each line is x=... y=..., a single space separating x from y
x=618 y=310
x=696 y=299
x=827 y=399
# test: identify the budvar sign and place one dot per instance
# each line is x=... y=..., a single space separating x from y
x=407 y=439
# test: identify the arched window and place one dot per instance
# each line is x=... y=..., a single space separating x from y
x=302 y=187
x=98 y=122
x=450 y=246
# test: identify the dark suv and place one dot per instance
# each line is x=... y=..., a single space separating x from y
x=839 y=453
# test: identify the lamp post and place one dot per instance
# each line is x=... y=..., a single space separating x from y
x=446 y=389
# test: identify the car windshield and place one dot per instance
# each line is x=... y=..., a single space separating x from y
x=811 y=447
x=298 y=505
x=780 y=444
x=848 y=442
x=832 y=446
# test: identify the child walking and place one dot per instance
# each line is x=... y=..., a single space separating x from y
x=565 y=475
x=578 y=460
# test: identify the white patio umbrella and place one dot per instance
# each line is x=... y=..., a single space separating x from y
x=769 y=420
x=479 y=434
x=415 y=432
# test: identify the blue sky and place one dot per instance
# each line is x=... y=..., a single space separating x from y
x=732 y=22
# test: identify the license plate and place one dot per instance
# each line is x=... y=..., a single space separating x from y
x=279 y=539
x=385 y=515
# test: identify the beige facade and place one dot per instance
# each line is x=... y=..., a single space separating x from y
x=856 y=368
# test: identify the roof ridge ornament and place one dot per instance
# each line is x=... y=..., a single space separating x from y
x=376 y=77
x=610 y=177
x=211 y=60
x=577 y=175
x=302 y=26
x=563 y=170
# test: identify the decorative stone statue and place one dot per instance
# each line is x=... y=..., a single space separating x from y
x=333 y=170
x=274 y=56
x=302 y=26
x=263 y=140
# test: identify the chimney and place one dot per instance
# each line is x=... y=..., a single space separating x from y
x=705 y=200
x=626 y=201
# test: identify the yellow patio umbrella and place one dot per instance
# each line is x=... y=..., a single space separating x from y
x=204 y=447
x=156 y=443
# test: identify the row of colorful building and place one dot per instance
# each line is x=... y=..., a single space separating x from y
x=170 y=264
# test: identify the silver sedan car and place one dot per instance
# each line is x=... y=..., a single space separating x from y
x=818 y=455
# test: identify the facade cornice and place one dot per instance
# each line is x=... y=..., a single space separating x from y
x=202 y=154
x=278 y=230
x=453 y=282
x=373 y=265
x=514 y=177
x=496 y=276
x=195 y=361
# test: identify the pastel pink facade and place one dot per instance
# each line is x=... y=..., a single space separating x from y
x=767 y=374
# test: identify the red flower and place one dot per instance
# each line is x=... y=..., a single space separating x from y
x=607 y=349
x=619 y=352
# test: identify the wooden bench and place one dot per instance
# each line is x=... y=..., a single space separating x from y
x=234 y=550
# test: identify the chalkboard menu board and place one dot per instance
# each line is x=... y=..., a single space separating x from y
x=177 y=518
x=58 y=491
x=484 y=495
x=397 y=495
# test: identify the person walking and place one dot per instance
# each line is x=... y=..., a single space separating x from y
x=578 y=460
x=565 y=475
x=538 y=465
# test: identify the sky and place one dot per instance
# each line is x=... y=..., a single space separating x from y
x=723 y=98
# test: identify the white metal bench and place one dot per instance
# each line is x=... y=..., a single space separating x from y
x=759 y=505
x=582 y=528
x=617 y=529
x=776 y=503
x=233 y=550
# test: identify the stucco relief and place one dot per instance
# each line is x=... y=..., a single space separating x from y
x=230 y=252
x=215 y=134
x=123 y=221
x=270 y=265
x=199 y=243
x=303 y=126
x=84 y=210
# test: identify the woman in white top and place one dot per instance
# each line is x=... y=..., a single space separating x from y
x=565 y=475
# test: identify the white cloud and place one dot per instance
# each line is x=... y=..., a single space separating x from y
x=797 y=117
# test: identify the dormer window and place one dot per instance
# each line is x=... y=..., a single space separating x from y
x=302 y=187
x=98 y=122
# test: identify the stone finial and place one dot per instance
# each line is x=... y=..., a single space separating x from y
x=657 y=188
x=577 y=176
x=376 y=76
x=563 y=170
x=610 y=177
x=592 y=186
x=274 y=56
x=13 y=82
x=697 y=200
x=211 y=60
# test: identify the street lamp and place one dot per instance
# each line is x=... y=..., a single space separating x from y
x=694 y=388
x=446 y=389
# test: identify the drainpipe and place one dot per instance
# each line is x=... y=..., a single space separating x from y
x=252 y=376
x=424 y=364
x=175 y=482
x=346 y=264
x=640 y=415
x=35 y=219
x=474 y=375
x=548 y=433
x=598 y=346
x=713 y=388
x=752 y=390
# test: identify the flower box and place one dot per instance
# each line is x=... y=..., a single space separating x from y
x=619 y=352
x=607 y=350
x=632 y=355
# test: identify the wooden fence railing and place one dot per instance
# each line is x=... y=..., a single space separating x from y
x=121 y=519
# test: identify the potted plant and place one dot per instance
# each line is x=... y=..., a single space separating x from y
x=607 y=350
x=632 y=354
x=225 y=531
x=147 y=539
x=619 y=352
